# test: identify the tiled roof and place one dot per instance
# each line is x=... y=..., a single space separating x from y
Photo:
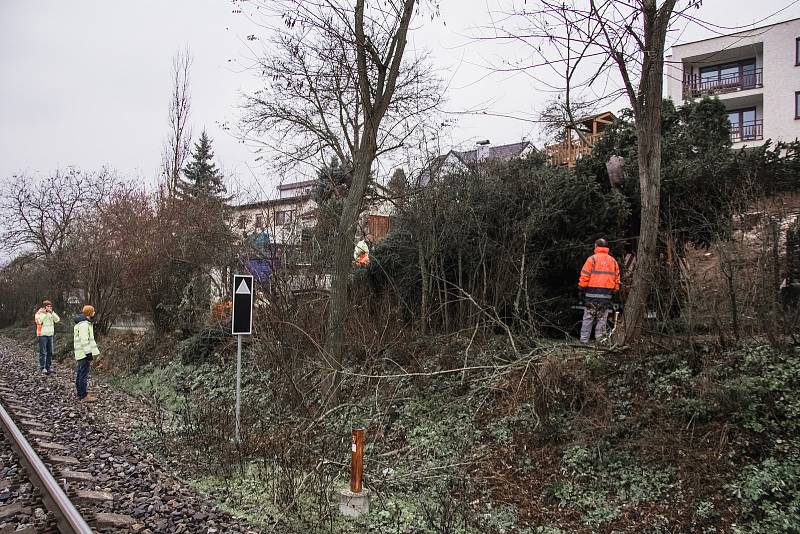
x=496 y=153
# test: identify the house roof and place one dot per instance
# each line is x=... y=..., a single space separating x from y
x=295 y=185
x=469 y=158
x=496 y=153
x=736 y=34
x=605 y=116
x=435 y=164
x=297 y=199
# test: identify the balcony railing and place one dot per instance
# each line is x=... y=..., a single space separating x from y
x=694 y=85
x=570 y=150
x=747 y=131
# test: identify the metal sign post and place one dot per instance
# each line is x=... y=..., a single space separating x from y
x=241 y=325
x=238 y=383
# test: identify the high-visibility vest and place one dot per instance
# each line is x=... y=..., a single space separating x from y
x=361 y=249
x=83 y=338
x=46 y=322
x=361 y=253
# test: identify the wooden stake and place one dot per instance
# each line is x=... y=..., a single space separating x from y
x=357 y=469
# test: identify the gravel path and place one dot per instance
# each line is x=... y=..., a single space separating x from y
x=145 y=497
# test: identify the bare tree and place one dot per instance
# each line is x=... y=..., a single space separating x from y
x=557 y=118
x=178 y=142
x=41 y=218
x=586 y=42
x=118 y=253
x=40 y=215
x=338 y=83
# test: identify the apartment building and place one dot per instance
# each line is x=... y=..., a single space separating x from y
x=755 y=73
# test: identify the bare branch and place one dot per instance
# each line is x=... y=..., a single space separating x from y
x=178 y=144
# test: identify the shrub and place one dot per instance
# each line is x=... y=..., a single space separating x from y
x=202 y=346
x=501 y=246
x=601 y=482
x=770 y=494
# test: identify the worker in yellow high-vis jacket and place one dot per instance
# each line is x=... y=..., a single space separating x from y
x=46 y=320
x=85 y=350
x=361 y=252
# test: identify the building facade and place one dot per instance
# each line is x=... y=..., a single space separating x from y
x=755 y=73
x=459 y=162
x=287 y=221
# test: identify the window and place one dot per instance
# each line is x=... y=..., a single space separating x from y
x=797 y=104
x=741 y=74
x=259 y=221
x=242 y=222
x=282 y=218
x=797 y=51
x=745 y=126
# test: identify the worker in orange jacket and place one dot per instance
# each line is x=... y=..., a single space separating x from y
x=598 y=282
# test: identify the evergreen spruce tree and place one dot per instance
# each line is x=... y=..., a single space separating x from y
x=201 y=178
x=205 y=232
x=398 y=183
x=332 y=183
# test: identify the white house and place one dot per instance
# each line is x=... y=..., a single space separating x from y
x=288 y=219
x=755 y=73
x=455 y=161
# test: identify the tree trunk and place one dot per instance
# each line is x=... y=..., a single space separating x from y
x=444 y=294
x=374 y=102
x=342 y=263
x=337 y=314
x=460 y=309
x=647 y=108
x=647 y=253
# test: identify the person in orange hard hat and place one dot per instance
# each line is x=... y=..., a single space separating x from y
x=85 y=350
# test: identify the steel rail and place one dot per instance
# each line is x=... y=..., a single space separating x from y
x=68 y=519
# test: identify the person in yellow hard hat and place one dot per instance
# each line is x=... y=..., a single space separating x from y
x=85 y=350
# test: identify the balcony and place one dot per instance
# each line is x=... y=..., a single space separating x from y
x=747 y=131
x=699 y=85
x=578 y=140
x=570 y=150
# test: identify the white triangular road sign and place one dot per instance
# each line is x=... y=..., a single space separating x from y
x=243 y=289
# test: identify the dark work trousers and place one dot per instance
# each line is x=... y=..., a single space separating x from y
x=82 y=376
x=45 y=351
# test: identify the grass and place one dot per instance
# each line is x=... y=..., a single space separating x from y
x=686 y=441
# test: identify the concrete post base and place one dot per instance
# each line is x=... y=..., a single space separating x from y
x=353 y=504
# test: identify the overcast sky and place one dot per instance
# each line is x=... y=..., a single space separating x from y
x=87 y=82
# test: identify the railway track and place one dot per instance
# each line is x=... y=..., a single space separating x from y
x=115 y=484
x=54 y=484
x=63 y=515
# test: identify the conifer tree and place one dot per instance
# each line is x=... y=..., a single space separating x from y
x=201 y=178
x=205 y=235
